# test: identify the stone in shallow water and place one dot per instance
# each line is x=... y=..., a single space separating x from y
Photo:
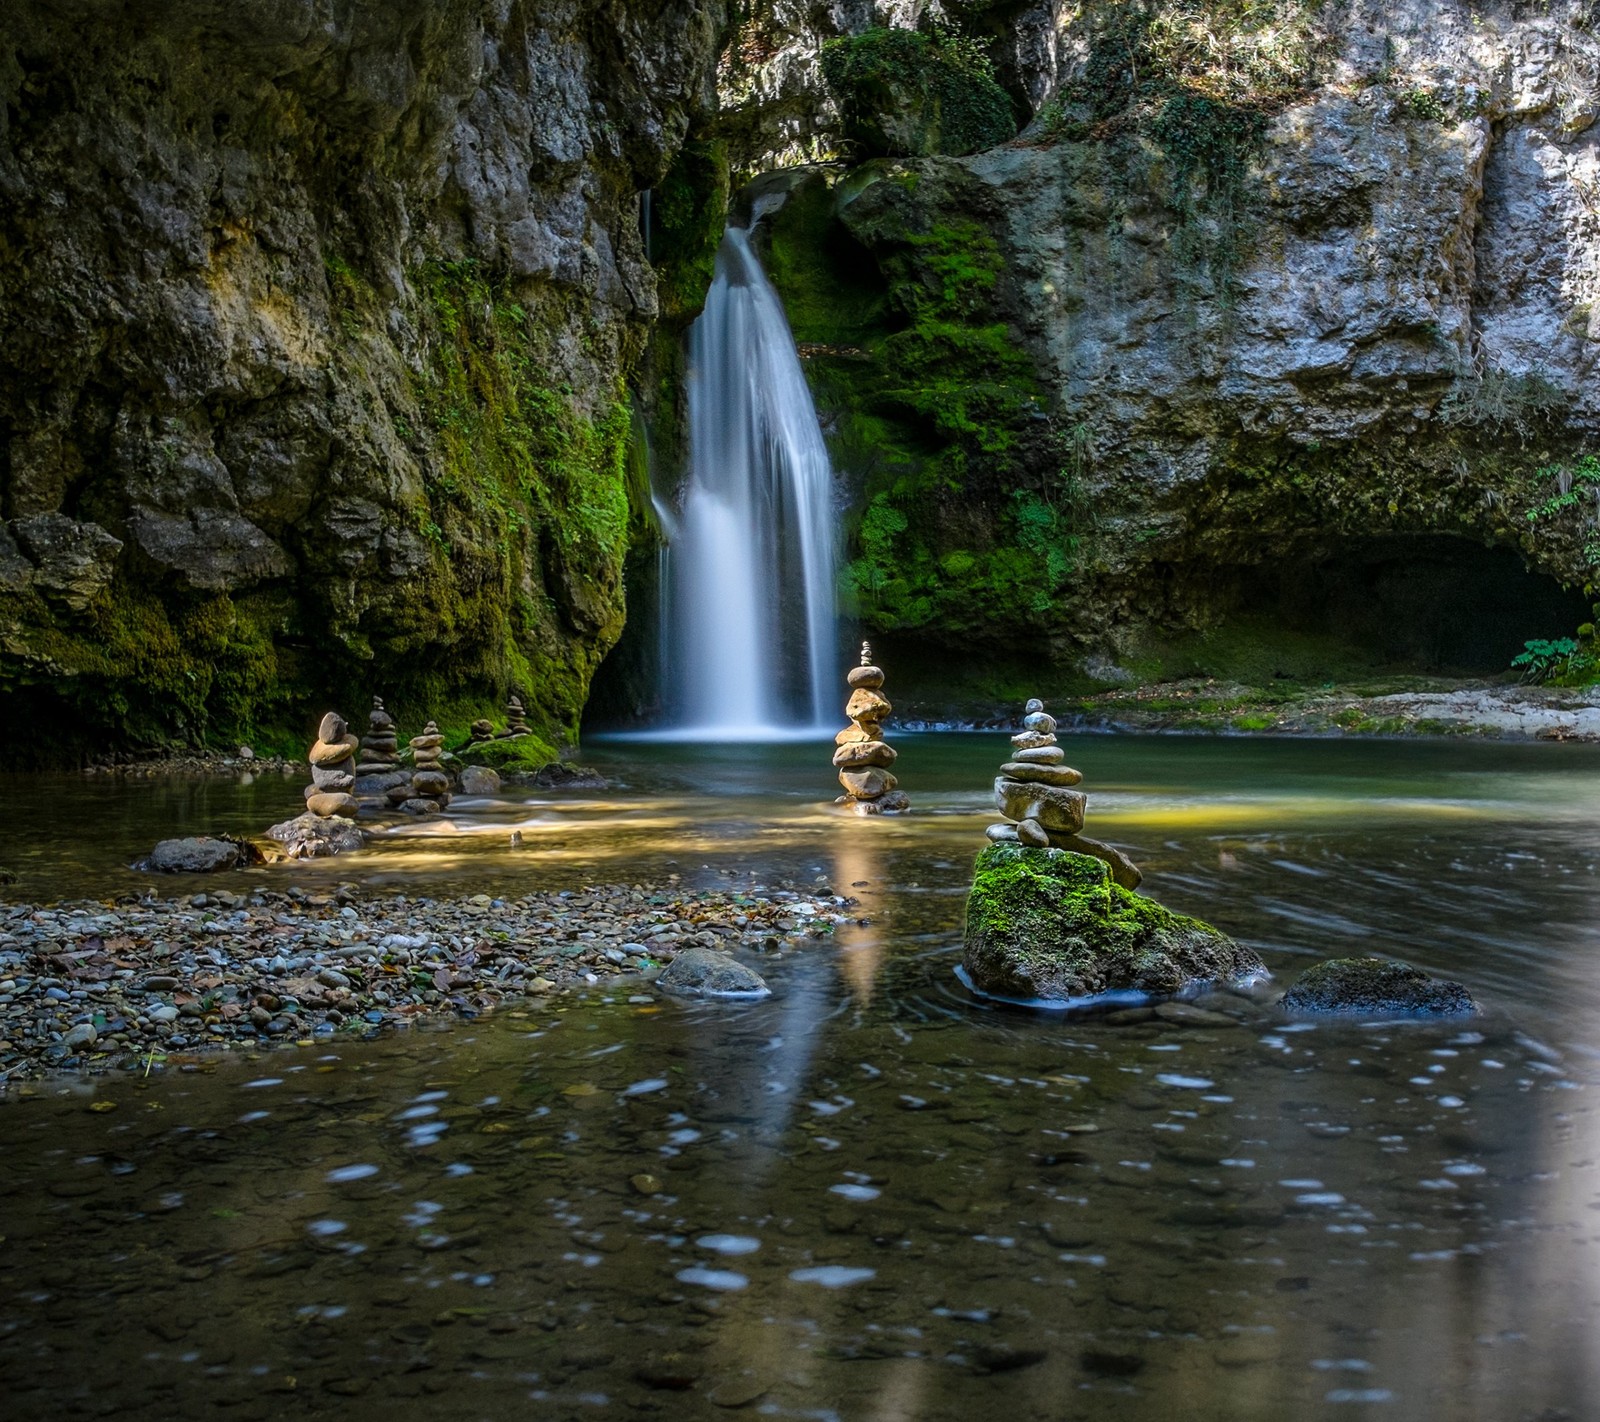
x=1031 y=774
x=309 y=836
x=479 y=780
x=1045 y=923
x=714 y=974
x=894 y=803
x=198 y=855
x=1375 y=987
x=1054 y=806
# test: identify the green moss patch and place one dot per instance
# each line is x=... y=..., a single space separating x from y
x=1049 y=924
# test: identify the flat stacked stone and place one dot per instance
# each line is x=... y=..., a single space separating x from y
x=430 y=782
x=863 y=757
x=1034 y=791
x=333 y=760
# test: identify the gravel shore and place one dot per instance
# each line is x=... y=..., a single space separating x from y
x=95 y=986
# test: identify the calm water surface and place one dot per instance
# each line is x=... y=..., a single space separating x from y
x=867 y=1197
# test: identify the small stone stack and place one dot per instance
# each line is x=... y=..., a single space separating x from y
x=863 y=757
x=516 y=720
x=380 y=747
x=1034 y=791
x=430 y=783
x=333 y=761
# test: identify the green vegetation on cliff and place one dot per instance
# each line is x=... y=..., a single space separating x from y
x=909 y=93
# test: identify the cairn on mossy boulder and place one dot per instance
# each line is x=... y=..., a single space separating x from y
x=863 y=757
x=1375 y=987
x=516 y=719
x=1034 y=791
x=430 y=782
x=333 y=761
x=1053 y=924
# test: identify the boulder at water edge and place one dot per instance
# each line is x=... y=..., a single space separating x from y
x=1051 y=924
x=1375 y=987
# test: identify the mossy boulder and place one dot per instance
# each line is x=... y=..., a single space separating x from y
x=1375 y=987
x=1052 y=925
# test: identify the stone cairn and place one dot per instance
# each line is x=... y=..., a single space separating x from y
x=333 y=761
x=430 y=782
x=516 y=720
x=380 y=747
x=863 y=758
x=1034 y=792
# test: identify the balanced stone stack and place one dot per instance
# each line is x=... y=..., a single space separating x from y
x=333 y=761
x=381 y=745
x=863 y=757
x=430 y=783
x=516 y=719
x=1034 y=790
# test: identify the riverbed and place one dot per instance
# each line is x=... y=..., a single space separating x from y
x=867 y=1196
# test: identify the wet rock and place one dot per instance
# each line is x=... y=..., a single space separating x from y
x=563 y=775
x=479 y=780
x=200 y=854
x=1375 y=987
x=313 y=836
x=1047 y=923
x=713 y=973
x=1187 y=1015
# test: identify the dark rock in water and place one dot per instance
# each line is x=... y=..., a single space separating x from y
x=200 y=855
x=561 y=775
x=1375 y=987
x=704 y=970
x=311 y=836
x=1047 y=923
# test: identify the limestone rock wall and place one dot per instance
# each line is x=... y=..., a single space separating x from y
x=1369 y=320
x=316 y=320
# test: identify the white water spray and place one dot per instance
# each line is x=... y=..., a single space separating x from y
x=750 y=643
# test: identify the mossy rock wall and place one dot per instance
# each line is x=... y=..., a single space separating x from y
x=315 y=375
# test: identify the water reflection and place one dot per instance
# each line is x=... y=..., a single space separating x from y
x=867 y=1196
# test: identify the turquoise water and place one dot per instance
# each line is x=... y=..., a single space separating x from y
x=868 y=1196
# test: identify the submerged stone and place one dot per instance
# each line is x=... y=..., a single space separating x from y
x=1375 y=987
x=1051 y=924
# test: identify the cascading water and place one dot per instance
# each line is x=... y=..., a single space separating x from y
x=750 y=572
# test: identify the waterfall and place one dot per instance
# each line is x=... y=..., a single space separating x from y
x=750 y=641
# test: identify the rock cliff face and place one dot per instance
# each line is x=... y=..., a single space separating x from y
x=317 y=316
x=1310 y=329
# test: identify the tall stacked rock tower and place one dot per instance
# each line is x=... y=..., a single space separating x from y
x=863 y=757
x=1034 y=791
x=333 y=762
